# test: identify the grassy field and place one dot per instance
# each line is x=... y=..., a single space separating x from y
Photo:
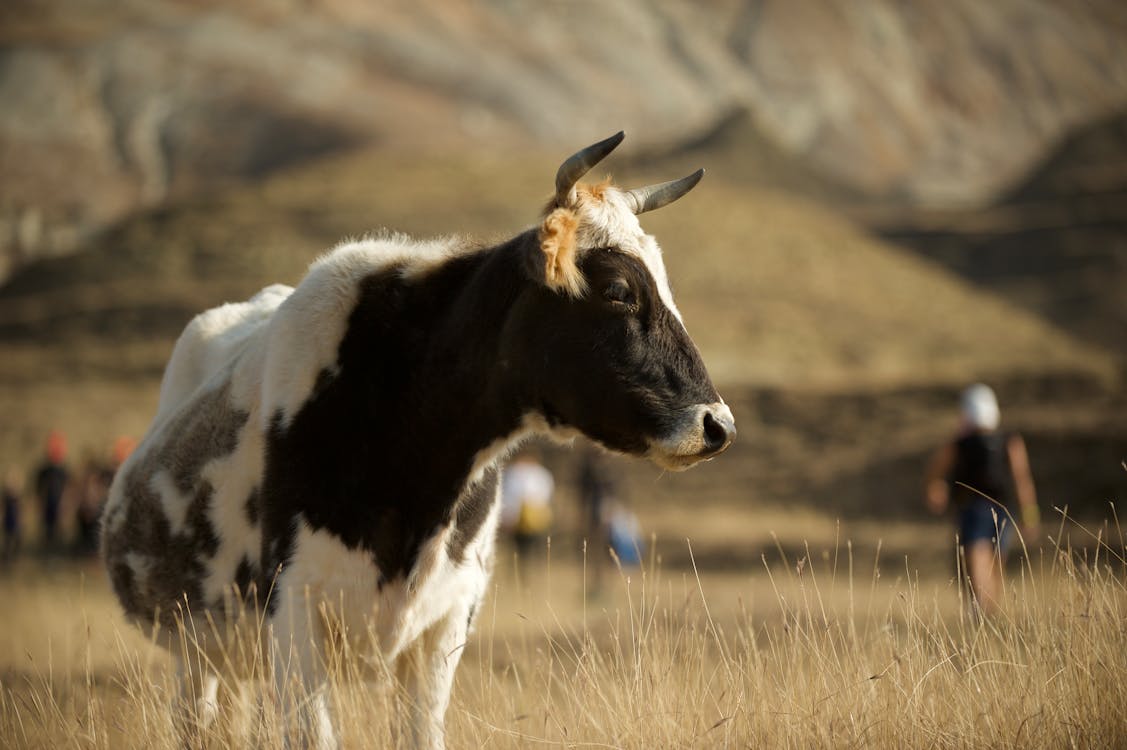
x=842 y=646
x=759 y=619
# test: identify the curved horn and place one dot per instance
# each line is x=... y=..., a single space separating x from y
x=580 y=163
x=655 y=196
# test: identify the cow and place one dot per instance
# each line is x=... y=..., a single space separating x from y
x=335 y=448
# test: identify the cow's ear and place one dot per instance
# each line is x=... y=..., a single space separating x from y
x=559 y=253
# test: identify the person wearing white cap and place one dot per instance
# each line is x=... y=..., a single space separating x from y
x=979 y=472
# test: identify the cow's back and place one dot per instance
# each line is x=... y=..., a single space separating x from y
x=211 y=340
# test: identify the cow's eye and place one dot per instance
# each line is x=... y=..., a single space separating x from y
x=619 y=291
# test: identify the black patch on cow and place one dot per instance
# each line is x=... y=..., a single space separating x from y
x=324 y=378
x=433 y=369
x=279 y=533
x=121 y=578
x=245 y=591
x=380 y=454
x=470 y=512
x=253 y=506
x=153 y=566
x=246 y=578
x=474 y=605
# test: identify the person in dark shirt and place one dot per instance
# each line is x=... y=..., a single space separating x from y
x=93 y=489
x=981 y=472
x=13 y=528
x=596 y=490
x=50 y=485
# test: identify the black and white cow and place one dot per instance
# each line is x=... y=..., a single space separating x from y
x=337 y=446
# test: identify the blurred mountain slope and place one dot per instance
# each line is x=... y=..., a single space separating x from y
x=776 y=289
x=1055 y=244
x=110 y=106
x=840 y=354
x=937 y=103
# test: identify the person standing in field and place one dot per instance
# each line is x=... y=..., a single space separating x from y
x=979 y=472
x=93 y=491
x=50 y=485
x=13 y=528
x=596 y=488
x=526 y=501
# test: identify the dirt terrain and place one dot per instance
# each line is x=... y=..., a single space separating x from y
x=840 y=340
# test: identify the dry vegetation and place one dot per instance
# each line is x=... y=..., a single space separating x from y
x=840 y=356
x=829 y=650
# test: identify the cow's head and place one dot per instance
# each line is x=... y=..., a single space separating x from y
x=598 y=336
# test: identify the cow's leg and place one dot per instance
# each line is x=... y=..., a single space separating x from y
x=300 y=677
x=196 y=702
x=426 y=671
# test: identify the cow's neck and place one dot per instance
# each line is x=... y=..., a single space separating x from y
x=465 y=392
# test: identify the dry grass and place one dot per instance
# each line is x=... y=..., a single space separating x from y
x=817 y=652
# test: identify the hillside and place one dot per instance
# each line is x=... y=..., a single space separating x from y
x=110 y=108
x=776 y=291
x=1054 y=244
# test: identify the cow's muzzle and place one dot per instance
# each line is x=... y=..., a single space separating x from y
x=704 y=431
x=719 y=429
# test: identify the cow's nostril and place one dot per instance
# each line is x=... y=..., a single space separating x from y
x=718 y=432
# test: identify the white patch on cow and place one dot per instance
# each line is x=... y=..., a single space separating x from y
x=608 y=221
x=211 y=341
x=436 y=588
x=113 y=516
x=140 y=566
x=561 y=434
x=173 y=502
x=681 y=448
x=236 y=477
x=307 y=328
x=493 y=454
x=500 y=449
x=322 y=570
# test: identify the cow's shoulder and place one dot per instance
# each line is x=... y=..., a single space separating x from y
x=306 y=332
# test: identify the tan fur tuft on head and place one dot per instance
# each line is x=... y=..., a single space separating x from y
x=557 y=242
x=597 y=190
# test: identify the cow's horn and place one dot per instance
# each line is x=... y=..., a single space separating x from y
x=655 y=196
x=579 y=164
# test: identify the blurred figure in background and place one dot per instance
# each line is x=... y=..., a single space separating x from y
x=13 y=529
x=979 y=465
x=596 y=488
x=625 y=534
x=608 y=525
x=526 y=501
x=93 y=492
x=50 y=487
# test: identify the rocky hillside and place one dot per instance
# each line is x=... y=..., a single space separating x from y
x=776 y=289
x=841 y=355
x=112 y=106
x=1056 y=244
